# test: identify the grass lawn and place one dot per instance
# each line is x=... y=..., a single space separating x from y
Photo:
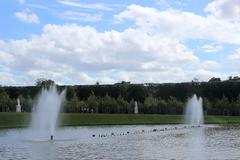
x=12 y=120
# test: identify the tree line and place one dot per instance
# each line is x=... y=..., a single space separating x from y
x=219 y=97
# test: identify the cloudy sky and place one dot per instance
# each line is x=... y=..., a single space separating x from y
x=84 y=42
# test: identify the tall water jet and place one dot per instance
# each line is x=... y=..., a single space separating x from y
x=46 y=109
x=194 y=117
x=194 y=111
x=18 y=106
x=135 y=107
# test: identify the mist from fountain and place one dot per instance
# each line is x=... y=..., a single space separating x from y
x=46 y=110
x=194 y=111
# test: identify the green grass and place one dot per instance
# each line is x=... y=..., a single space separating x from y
x=13 y=120
x=222 y=120
x=120 y=119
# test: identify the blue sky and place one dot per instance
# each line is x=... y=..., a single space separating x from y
x=49 y=12
x=84 y=42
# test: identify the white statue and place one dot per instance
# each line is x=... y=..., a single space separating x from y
x=18 y=106
x=136 y=108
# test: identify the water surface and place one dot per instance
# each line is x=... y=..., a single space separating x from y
x=124 y=142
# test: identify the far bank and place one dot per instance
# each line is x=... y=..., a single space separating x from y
x=17 y=120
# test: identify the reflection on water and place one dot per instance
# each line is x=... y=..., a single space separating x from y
x=196 y=145
x=43 y=150
x=128 y=142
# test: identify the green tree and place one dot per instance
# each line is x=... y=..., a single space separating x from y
x=175 y=106
x=151 y=105
x=162 y=105
x=214 y=79
x=123 y=106
x=73 y=105
x=207 y=106
x=93 y=103
x=137 y=92
x=82 y=106
x=108 y=105
x=70 y=93
x=222 y=106
x=26 y=103
x=42 y=82
x=4 y=102
x=235 y=107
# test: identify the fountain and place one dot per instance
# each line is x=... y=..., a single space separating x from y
x=136 y=108
x=194 y=117
x=194 y=111
x=18 y=106
x=46 y=109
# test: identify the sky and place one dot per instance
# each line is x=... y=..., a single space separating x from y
x=148 y=41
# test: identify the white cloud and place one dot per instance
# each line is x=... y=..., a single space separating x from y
x=209 y=48
x=233 y=61
x=152 y=50
x=205 y=75
x=95 y=6
x=6 y=59
x=27 y=16
x=85 y=78
x=106 y=80
x=174 y=74
x=235 y=56
x=7 y=78
x=80 y=16
x=224 y=9
x=210 y=65
x=180 y=24
x=21 y=1
x=82 y=51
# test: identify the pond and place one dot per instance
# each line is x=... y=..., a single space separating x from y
x=124 y=142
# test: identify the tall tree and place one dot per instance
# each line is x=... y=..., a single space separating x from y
x=42 y=82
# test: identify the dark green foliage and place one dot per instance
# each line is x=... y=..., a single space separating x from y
x=5 y=103
x=108 y=105
x=137 y=92
x=93 y=103
x=214 y=80
x=219 y=97
x=26 y=103
x=151 y=105
x=42 y=82
x=71 y=92
x=234 y=79
x=123 y=106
